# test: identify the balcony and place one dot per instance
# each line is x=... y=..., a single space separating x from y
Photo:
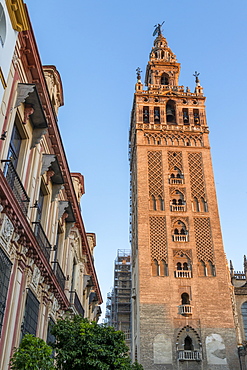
x=189 y=356
x=59 y=274
x=185 y=309
x=75 y=301
x=16 y=186
x=180 y=238
x=42 y=240
x=182 y=274
x=176 y=181
x=178 y=208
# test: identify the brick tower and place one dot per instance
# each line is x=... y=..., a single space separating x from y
x=182 y=310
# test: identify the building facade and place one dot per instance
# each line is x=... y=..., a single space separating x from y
x=118 y=305
x=239 y=294
x=182 y=307
x=46 y=256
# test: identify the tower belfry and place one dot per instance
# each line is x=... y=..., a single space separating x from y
x=182 y=310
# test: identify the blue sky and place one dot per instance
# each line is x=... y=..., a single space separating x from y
x=97 y=46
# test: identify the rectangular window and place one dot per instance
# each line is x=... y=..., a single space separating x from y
x=5 y=271
x=50 y=337
x=30 y=322
x=15 y=146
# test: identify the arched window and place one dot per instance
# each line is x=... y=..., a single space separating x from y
x=161 y=203
x=185 y=298
x=196 y=205
x=185 y=266
x=179 y=234
x=186 y=116
x=153 y=203
x=156 y=115
x=164 y=79
x=188 y=345
x=163 y=268
x=146 y=114
x=176 y=176
x=202 y=269
x=179 y=266
x=210 y=269
x=203 y=205
x=171 y=112
x=155 y=268
x=196 y=116
x=177 y=203
x=244 y=315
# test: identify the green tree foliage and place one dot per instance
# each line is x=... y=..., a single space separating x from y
x=82 y=345
x=33 y=353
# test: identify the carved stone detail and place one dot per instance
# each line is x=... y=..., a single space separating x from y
x=36 y=276
x=55 y=191
x=62 y=205
x=47 y=160
x=23 y=90
x=68 y=227
x=37 y=136
x=6 y=232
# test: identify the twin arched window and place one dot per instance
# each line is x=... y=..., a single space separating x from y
x=157 y=203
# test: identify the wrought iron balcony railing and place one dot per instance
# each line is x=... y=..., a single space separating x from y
x=16 y=185
x=189 y=356
x=59 y=274
x=75 y=301
x=42 y=240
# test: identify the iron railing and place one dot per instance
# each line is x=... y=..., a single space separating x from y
x=75 y=301
x=16 y=185
x=59 y=274
x=42 y=240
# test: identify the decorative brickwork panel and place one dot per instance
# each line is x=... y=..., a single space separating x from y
x=175 y=160
x=158 y=243
x=155 y=173
x=196 y=175
x=204 y=242
x=185 y=220
x=172 y=189
x=171 y=139
x=182 y=252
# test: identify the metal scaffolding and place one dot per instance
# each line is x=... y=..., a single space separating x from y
x=118 y=305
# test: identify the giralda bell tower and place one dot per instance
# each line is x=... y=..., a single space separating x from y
x=182 y=308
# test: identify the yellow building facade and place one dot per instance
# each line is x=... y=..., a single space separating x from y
x=46 y=256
